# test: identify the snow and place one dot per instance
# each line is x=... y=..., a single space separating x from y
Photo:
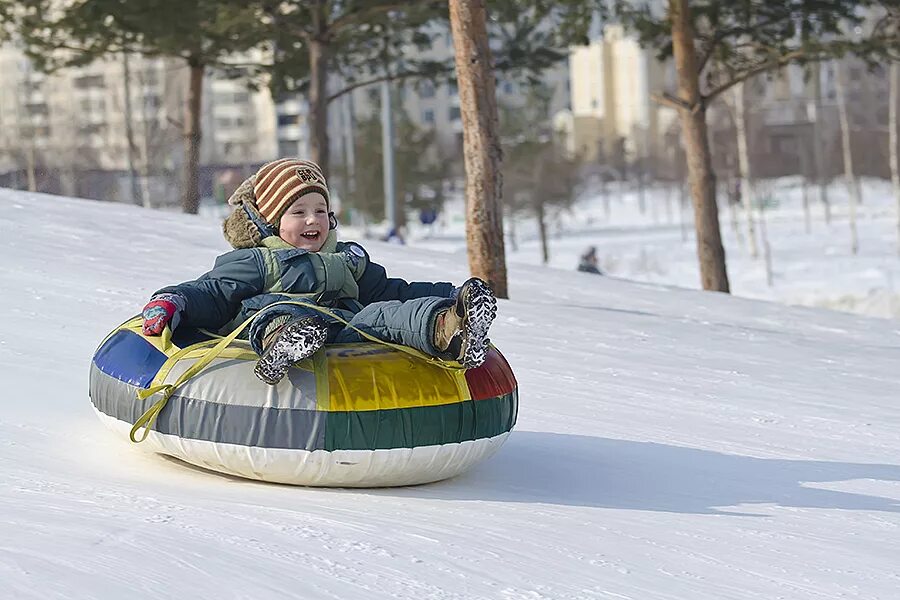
x=671 y=444
x=658 y=244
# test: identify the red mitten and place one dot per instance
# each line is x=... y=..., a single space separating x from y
x=162 y=310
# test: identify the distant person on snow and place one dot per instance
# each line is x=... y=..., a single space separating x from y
x=287 y=250
x=394 y=236
x=588 y=262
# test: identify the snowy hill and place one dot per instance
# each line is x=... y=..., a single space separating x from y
x=809 y=268
x=671 y=444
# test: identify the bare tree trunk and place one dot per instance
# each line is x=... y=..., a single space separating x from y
x=767 y=249
x=804 y=168
x=747 y=195
x=682 y=202
x=318 y=103
x=710 y=251
x=145 y=148
x=30 y=166
x=668 y=203
x=807 y=216
x=642 y=200
x=735 y=226
x=814 y=108
x=654 y=208
x=190 y=191
x=542 y=229
x=513 y=241
x=129 y=131
x=604 y=192
x=892 y=137
x=481 y=143
x=848 y=157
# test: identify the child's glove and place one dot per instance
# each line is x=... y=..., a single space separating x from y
x=162 y=310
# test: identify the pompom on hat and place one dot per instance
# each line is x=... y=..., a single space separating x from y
x=262 y=199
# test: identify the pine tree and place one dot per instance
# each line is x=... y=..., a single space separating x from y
x=540 y=179
x=202 y=33
x=716 y=44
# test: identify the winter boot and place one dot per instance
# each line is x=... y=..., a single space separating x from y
x=460 y=332
x=287 y=343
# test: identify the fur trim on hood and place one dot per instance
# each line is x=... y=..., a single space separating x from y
x=239 y=228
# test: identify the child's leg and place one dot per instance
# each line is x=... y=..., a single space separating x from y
x=281 y=336
x=440 y=327
x=272 y=318
x=410 y=323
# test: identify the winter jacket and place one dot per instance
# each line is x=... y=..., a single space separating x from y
x=244 y=281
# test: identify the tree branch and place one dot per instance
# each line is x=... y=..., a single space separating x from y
x=770 y=65
x=391 y=77
x=364 y=14
x=720 y=35
x=667 y=99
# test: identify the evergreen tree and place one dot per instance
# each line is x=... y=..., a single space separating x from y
x=422 y=170
x=540 y=179
x=716 y=44
x=363 y=42
x=202 y=33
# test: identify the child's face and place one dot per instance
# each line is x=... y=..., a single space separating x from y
x=305 y=224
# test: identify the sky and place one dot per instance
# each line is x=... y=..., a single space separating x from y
x=670 y=444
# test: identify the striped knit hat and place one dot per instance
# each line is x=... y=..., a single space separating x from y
x=280 y=182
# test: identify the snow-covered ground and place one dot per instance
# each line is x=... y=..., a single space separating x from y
x=671 y=444
x=658 y=245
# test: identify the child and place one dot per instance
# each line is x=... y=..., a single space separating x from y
x=588 y=262
x=287 y=249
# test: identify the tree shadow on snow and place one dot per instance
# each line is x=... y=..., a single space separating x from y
x=576 y=470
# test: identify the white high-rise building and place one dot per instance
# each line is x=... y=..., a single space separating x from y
x=612 y=81
x=74 y=125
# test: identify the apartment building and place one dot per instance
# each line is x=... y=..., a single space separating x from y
x=612 y=81
x=436 y=107
x=69 y=131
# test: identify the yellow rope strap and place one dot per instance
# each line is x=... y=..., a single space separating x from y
x=147 y=419
x=216 y=348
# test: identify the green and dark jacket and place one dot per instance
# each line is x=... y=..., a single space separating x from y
x=340 y=277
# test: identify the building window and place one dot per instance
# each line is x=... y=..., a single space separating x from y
x=89 y=105
x=452 y=88
x=508 y=87
x=88 y=81
x=784 y=145
x=92 y=129
x=428 y=116
x=35 y=132
x=36 y=110
x=426 y=89
x=285 y=120
x=453 y=114
x=149 y=77
x=151 y=102
x=288 y=148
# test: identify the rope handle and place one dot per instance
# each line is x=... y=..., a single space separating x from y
x=148 y=419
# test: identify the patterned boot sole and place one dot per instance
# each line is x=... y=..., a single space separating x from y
x=297 y=341
x=480 y=308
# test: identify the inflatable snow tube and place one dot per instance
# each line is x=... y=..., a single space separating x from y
x=354 y=415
